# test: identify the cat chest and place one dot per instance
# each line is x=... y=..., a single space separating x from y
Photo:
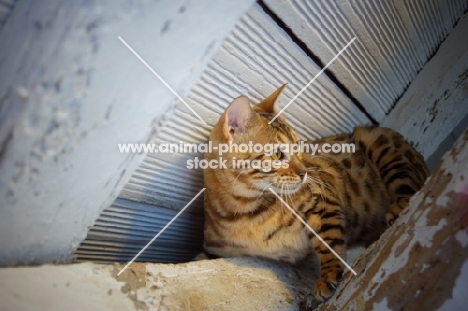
x=278 y=242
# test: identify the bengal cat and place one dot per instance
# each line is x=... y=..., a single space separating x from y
x=349 y=199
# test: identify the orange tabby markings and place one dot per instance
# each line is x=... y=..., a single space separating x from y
x=312 y=230
x=347 y=199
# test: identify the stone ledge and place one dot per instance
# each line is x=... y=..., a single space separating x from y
x=420 y=263
x=222 y=284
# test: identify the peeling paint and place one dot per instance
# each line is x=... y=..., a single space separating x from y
x=420 y=261
x=436 y=100
x=382 y=305
x=458 y=299
x=462 y=237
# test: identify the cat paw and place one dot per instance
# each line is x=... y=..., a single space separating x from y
x=326 y=286
x=200 y=256
x=390 y=218
x=395 y=210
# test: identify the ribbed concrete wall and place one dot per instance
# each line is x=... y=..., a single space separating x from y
x=394 y=41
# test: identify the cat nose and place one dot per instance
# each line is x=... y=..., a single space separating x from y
x=302 y=173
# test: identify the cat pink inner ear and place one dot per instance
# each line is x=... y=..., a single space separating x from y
x=237 y=114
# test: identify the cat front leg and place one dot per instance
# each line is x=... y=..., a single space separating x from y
x=395 y=210
x=332 y=232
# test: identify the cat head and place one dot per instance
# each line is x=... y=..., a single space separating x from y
x=268 y=160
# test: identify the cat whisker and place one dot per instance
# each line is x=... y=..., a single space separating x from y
x=281 y=204
x=238 y=176
x=290 y=195
x=262 y=192
x=291 y=199
x=320 y=183
x=320 y=170
x=324 y=186
x=252 y=185
x=311 y=184
x=233 y=182
x=322 y=157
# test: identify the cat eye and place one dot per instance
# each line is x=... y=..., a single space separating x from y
x=276 y=155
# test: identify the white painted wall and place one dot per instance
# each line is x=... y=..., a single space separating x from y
x=437 y=99
x=394 y=40
x=70 y=91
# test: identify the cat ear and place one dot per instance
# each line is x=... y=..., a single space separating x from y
x=236 y=116
x=268 y=104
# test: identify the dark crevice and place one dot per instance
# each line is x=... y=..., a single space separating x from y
x=301 y=44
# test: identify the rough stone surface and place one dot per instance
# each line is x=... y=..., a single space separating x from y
x=235 y=284
x=69 y=287
x=221 y=284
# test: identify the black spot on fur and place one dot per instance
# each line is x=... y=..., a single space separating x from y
x=405 y=189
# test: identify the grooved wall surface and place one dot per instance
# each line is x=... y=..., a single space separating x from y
x=394 y=39
x=256 y=58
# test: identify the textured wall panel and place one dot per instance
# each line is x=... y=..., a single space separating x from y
x=125 y=228
x=255 y=59
x=394 y=40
